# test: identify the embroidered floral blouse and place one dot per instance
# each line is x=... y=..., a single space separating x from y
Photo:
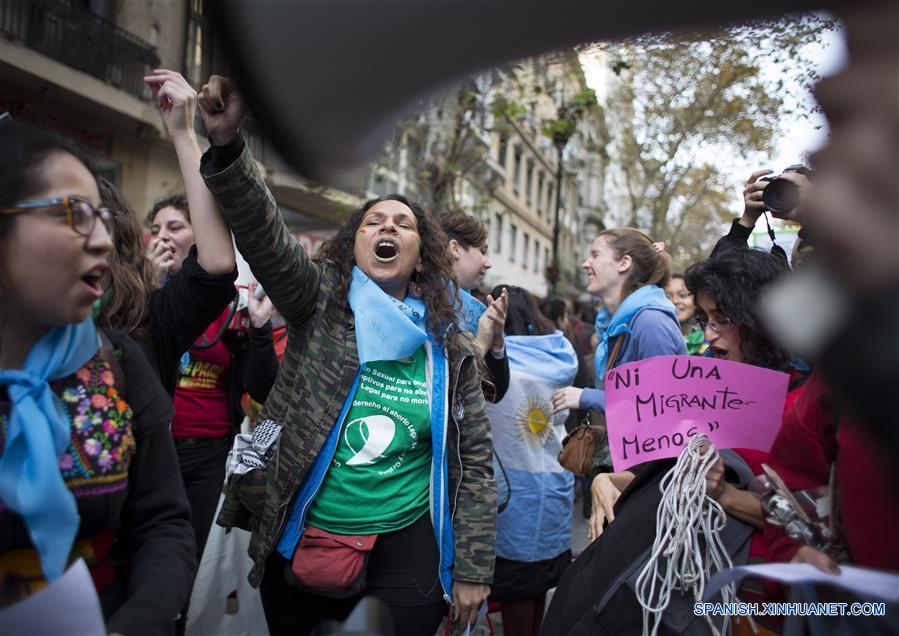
x=121 y=466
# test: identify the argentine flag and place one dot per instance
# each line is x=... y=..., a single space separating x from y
x=536 y=525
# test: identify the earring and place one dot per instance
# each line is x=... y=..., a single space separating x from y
x=415 y=285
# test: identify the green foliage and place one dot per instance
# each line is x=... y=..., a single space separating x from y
x=584 y=100
x=503 y=107
x=559 y=129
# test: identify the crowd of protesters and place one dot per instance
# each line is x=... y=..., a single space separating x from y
x=408 y=439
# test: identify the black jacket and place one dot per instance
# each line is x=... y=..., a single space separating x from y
x=179 y=312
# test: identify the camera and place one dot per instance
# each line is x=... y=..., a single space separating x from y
x=781 y=195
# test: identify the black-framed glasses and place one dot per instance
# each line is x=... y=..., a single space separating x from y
x=80 y=214
x=718 y=326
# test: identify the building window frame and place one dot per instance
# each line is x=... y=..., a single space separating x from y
x=525 y=251
x=199 y=49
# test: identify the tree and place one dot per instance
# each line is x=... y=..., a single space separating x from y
x=443 y=143
x=448 y=139
x=681 y=101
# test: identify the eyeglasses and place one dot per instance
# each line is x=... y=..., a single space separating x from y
x=80 y=214
x=682 y=295
x=718 y=326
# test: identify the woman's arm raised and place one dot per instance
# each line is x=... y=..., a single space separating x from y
x=278 y=261
x=177 y=102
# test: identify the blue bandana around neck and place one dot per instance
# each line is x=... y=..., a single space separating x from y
x=386 y=328
x=610 y=327
x=37 y=435
x=472 y=310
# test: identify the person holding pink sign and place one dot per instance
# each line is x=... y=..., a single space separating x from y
x=726 y=287
x=628 y=271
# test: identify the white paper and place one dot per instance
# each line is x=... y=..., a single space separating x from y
x=482 y=613
x=67 y=607
x=866 y=584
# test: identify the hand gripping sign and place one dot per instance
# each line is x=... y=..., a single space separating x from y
x=654 y=406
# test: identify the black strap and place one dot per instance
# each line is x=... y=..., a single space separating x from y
x=500 y=506
x=202 y=344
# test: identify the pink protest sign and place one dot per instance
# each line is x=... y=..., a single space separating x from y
x=654 y=406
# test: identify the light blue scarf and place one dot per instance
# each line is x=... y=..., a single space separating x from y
x=386 y=328
x=610 y=327
x=472 y=310
x=38 y=433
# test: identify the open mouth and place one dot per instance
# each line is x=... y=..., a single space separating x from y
x=386 y=250
x=718 y=352
x=94 y=281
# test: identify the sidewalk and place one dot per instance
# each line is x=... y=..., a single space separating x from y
x=579 y=542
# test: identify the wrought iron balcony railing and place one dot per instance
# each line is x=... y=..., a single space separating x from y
x=82 y=40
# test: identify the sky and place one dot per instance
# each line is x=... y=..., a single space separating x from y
x=801 y=136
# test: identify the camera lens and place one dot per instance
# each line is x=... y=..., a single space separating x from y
x=780 y=195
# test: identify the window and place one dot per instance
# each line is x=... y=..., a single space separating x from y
x=516 y=171
x=512 y=243
x=529 y=182
x=503 y=146
x=498 y=233
x=525 y=252
x=536 y=255
x=546 y=261
x=541 y=182
x=198 y=66
x=381 y=184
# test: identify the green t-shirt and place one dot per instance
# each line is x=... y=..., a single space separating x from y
x=379 y=478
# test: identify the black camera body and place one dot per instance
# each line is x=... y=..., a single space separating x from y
x=781 y=195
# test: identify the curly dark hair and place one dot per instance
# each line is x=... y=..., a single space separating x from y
x=440 y=297
x=735 y=278
x=130 y=279
x=177 y=201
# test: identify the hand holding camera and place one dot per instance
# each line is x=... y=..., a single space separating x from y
x=783 y=195
x=753 y=206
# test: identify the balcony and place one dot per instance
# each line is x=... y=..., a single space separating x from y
x=81 y=40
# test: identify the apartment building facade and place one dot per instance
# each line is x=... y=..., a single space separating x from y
x=76 y=67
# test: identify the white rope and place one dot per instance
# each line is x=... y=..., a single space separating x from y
x=677 y=563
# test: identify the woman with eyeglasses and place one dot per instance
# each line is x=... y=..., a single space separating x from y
x=677 y=292
x=87 y=465
x=727 y=288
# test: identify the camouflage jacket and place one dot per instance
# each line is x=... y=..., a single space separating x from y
x=316 y=375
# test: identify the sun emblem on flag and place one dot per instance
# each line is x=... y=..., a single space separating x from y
x=534 y=421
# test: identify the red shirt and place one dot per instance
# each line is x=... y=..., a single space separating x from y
x=758 y=548
x=802 y=455
x=201 y=396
